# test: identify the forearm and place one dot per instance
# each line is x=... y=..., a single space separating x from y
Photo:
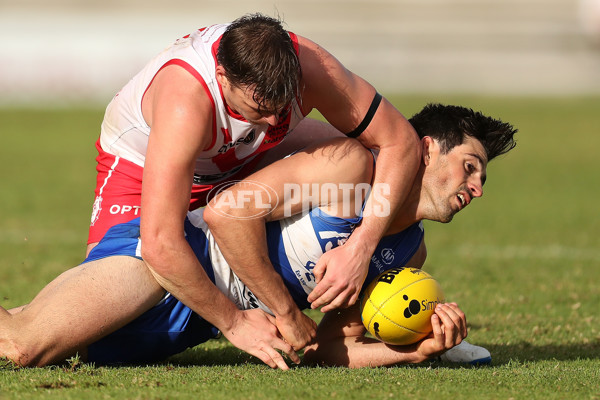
x=178 y=271
x=252 y=331
x=341 y=341
x=245 y=249
x=359 y=351
x=393 y=179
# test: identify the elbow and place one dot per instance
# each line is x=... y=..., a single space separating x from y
x=313 y=356
x=210 y=215
x=330 y=354
x=156 y=250
x=150 y=249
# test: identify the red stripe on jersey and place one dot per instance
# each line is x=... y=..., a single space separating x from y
x=227 y=136
x=294 y=38
x=230 y=111
x=294 y=41
x=228 y=160
x=189 y=34
x=195 y=74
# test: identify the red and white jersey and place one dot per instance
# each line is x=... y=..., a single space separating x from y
x=235 y=141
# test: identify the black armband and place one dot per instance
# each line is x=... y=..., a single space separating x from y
x=367 y=119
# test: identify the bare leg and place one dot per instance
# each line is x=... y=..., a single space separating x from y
x=89 y=248
x=16 y=309
x=83 y=305
x=49 y=287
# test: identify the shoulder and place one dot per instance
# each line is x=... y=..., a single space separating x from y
x=314 y=57
x=179 y=77
x=176 y=92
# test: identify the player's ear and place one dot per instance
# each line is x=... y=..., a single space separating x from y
x=428 y=148
x=221 y=76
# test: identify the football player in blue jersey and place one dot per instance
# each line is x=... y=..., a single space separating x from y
x=111 y=309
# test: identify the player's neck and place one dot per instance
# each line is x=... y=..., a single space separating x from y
x=407 y=214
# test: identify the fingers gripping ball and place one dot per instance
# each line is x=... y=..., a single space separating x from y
x=397 y=306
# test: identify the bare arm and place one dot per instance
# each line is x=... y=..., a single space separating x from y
x=344 y=98
x=341 y=341
x=339 y=160
x=418 y=259
x=179 y=113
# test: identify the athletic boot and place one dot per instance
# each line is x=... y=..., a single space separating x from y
x=467 y=353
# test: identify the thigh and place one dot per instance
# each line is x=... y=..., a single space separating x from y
x=86 y=303
x=166 y=329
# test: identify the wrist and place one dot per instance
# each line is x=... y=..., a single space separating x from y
x=287 y=310
x=418 y=356
x=363 y=243
x=229 y=321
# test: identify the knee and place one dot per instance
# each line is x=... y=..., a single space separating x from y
x=18 y=354
x=21 y=351
x=11 y=350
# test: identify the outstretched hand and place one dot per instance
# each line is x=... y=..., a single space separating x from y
x=255 y=332
x=449 y=329
x=340 y=274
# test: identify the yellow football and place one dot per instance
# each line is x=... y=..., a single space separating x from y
x=397 y=306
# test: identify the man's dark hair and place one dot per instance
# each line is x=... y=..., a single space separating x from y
x=450 y=125
x=256 y=52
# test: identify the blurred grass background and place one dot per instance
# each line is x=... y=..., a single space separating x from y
x=523 y=261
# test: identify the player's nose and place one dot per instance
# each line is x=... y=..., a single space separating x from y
x=476 y=187
x=272 y=119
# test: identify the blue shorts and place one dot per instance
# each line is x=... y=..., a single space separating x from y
x=165 y=330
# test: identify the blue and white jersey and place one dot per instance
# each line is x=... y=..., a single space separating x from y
x=295 y=244
x=395 y=250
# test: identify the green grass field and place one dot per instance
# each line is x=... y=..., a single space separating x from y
x=523 y=262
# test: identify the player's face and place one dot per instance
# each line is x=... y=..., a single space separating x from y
x=241 y=100
x=248 y=108
x=454 y=179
